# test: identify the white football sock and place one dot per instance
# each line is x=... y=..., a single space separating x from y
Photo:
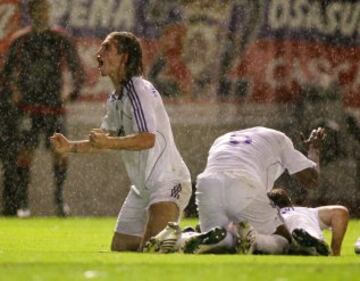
x=271 y=244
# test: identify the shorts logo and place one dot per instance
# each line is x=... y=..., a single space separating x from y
x=175 y=191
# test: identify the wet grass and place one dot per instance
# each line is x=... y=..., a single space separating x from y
x=78 y=249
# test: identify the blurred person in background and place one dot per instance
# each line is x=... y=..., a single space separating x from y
x=137 y=125
x=9 y=138
x=35 y=66
x=306 y=224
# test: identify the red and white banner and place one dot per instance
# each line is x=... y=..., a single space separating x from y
x=263 y=51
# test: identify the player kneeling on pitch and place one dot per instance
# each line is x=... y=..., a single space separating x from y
x=306 y=225
x=136 y=124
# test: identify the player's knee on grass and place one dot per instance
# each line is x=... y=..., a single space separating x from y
x=125 y=243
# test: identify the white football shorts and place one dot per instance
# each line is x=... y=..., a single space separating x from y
x=133 y=215
x=304 y=218
x=225 y=197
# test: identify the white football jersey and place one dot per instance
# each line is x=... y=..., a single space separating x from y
x=304 y=218
x=260 y=154
x=140 y=109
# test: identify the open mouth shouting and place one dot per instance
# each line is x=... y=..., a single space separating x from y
x=100 y=61
x=100 y=64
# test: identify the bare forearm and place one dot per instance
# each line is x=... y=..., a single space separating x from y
x=338 y=232
x=82 y=146
x=131 y=142
x=335 y=217
x=314 y=155
x=336 y=241
x=310 y=177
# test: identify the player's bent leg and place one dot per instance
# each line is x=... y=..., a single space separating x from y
x=273 y=244
x=213 y=218
x=130 y=223
x=253 y=242
x=269 y=235
x=276 y=243
x=124 y=242
x=159 y=214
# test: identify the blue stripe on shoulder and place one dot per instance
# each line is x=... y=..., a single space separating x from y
x=140 y=106
x=136 y=104
x=131 y=98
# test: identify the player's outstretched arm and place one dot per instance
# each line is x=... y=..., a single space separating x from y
x=336 y=217
x=62 y=145
x=139 y=141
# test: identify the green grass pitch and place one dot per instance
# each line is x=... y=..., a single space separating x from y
x=42 y=249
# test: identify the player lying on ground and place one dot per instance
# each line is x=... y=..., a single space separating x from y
x=306 y=224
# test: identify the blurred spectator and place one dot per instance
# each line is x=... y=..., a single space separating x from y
x=35 y=67
x=9 y=119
